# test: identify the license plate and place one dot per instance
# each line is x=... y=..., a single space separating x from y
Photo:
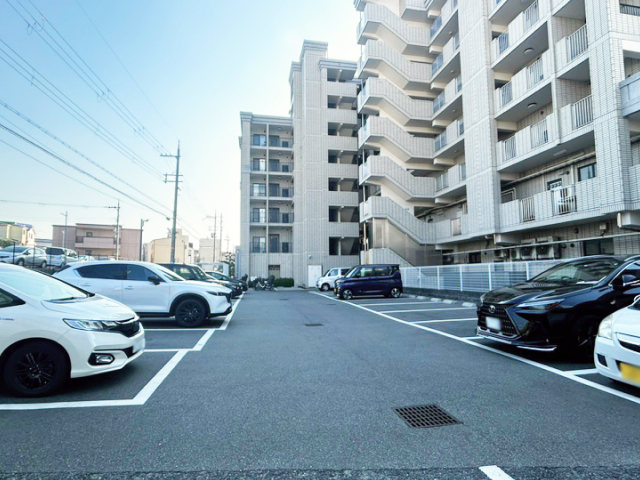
x=630 y=372
x=493 y=323
x=138 y=345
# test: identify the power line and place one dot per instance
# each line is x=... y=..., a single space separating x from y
x=102 y=92
x=78 y=113
x=27 y=119
x=125 y=68
x=48 y=204
x=60 y=159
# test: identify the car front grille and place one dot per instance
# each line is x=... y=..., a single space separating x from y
x=630 y=346
x=508 y=328
x=128 y=329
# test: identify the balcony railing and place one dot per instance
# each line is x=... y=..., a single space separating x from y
x=535 y=73
x=564 y=200
x=442 y=182
x=281 y=193
x=437 y=64
x=286 y=218
x=258 y=218
x=630 y=9
x=539 y=134
x=578 y=43
x=456 y=227
x=518 y=28
x=448 y=94
x=528 y=209
x=582 y=113
x=441 y=140
x=281 y=167
x=509 y=148
x=447 y=11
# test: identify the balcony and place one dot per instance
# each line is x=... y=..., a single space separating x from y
x=380 y=94
x=451 y=183
x=571 y=59
x=342 y=89
x=282 y=219
x=508 y=50
x=342 y=116
x=532 y=84
x=577 y=119
x=630 y=90
x=342 y=144
x=342 y=170
x=96 y=242
x=380 y=132
x=343 y=229
x=384 y=171
x=444 y=23
x=449 y=230
x=342 y=199
x=280 y=167
x=448 y=104
x=387 y=209
x=573 y=202
x=524 y=149
x=378 y=58
x=380 y=23
x=446 y=66
x=627 y=9
x=281 y=193
x=450 y=143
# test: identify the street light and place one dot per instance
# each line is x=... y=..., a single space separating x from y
x=142 y=222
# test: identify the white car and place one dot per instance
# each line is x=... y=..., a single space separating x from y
x=50 y=331
x=328 y=280
x=60 y=257
x=617 y=350
x=150 y=290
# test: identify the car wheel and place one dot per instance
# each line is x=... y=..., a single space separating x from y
x=583 y=338
x=190 y=313
x=325 y=287
x=36 y=369
x=43 y=265
x=395 y=292
x=346 y=294
x=20 y=262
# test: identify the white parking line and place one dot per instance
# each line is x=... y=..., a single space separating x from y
x=424 y=310
x=474 y=319
x=495 y=473
x=149 y=389
x=586 y=371
x=394 y=303
x=542 y=366
x=472 y=338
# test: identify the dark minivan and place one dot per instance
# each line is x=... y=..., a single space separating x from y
x=562 y=307
x=370 y=280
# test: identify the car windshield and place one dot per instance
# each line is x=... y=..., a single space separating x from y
x=200 y=274
x=351 y=272
x=39 y=286
x=13 y=248
x=576 y=273
x=167 y=274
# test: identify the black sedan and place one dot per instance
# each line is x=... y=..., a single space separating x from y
x=226 y=278
x=194 y=272
x=562 y=307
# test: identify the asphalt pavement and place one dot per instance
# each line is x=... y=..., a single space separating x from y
x=300 y=385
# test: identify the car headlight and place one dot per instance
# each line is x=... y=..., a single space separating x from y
x=482 y=297
x=542 y=305
x=91 y=325
x=606 y=328
x=217 y=294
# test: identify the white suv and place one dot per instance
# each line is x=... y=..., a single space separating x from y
x=151 y=290
x=50 y=331
x=328 y=281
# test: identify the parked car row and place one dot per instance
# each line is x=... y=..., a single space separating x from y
x=348 y=282
x=589 y=307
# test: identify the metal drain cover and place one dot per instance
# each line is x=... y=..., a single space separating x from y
x=313 y=324
x=426 y=416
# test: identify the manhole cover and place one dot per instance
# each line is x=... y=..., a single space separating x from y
x=313 y=324
x=426 y=416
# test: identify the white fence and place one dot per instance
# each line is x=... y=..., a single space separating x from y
x=480 y=277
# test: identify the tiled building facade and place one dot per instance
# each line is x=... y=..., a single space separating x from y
x=499 y=129
x=299 y=186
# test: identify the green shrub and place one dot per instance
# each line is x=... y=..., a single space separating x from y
x=284 y=282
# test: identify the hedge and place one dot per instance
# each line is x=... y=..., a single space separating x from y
x=280 y=282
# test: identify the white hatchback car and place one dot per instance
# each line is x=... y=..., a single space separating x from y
x=151 y=290
x=617 y=350
x=328 y=280
x=50 y=331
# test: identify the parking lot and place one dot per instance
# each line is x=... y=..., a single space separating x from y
x=166 y=346
x=297 y=384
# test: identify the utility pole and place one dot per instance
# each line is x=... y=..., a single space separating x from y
x=175 y=202
x=64 y=234
x=142 y=222
x=228 y=243
x=118 y=232
x=221 y=237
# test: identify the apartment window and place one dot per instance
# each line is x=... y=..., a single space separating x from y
x=259 y=245
x=509 y=196
x=554 y=184
x=259 y=165
x=88 y=234
x=274 y=190
x=475 y=257
x=274 y=141
x=286 y=247
x=259 y=215
x=333 y=159
x=88 y=252
x=259 y=190
x=259 y=140
x=587 y=172
x=598 y=247
x=286 y=144
x=274 y=243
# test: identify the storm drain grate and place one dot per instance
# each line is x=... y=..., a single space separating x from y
x=313 y=324
x=426 y=416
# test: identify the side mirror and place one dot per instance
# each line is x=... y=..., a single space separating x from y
x=625 y=281
x=357 y=275
x=154 y=279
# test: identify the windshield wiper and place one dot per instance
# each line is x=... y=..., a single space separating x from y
x=66 y=299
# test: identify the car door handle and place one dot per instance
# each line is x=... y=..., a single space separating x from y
x=129 y=288
x=84 y=284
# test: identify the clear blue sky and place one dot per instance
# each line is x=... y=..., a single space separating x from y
x=199 y=62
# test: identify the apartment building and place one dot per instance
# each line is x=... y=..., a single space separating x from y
x=98 y=240
x=496 y=130
x=299 y=188
x=160 y=249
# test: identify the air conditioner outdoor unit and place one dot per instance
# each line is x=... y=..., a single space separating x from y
x=527 y=253
x=501 y=253
x=548 y=252
x=547 y=239
x=514 y=254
